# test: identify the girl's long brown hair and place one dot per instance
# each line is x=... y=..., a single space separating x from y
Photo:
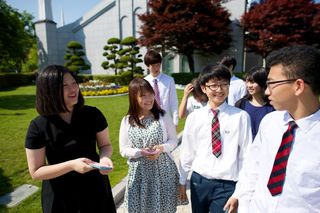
x=137 y=87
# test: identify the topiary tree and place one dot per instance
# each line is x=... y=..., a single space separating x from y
x=111 y=51
x=123 y=55
x=131 y=55
x=74 y=57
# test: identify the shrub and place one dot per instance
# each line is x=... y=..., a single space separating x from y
x=184 y=78
x=16 y=79
x=122 y=79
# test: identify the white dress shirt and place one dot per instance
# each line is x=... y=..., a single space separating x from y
x=301 y=190
x=168 y=94
x=196 y=148
x=169 y=137
x=237 y=90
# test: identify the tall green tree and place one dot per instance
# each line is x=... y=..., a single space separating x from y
x=271 y=24
x=16 y=38
x=186 y=26
x=30 y=62
x=74 y=57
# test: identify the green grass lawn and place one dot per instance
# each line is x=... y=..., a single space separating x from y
x=17 y=110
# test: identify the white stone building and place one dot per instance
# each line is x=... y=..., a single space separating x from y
x=117 y=18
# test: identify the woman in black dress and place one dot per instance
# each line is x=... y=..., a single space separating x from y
x=61 y=143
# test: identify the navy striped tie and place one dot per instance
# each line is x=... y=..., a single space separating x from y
x=277 y=177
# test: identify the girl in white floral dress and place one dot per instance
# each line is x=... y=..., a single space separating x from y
x=147 y=136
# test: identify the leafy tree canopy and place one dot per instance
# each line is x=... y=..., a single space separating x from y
x=16 y=37
x=186 y=26
x=273 y=24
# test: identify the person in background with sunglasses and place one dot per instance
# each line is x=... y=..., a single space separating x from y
x=282 y=169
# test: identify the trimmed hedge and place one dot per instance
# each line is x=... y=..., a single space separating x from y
x=240 y=74
x=184 y=78
x=16 y=79
x=122 y=79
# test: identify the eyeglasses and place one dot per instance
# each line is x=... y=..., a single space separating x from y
x=214 y=87
x=269 y=83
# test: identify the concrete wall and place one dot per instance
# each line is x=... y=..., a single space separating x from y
x=47 y=43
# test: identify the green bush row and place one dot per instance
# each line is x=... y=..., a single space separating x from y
x=184 y=78
x=16 y=79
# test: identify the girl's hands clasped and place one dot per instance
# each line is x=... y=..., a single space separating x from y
x=152 y=153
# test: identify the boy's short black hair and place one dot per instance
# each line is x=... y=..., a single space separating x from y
x=228 y=61
x=298 y=62
x=210 y=72
x=152 y=57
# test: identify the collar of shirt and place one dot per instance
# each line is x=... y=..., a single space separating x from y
x=306 y=123
x=221 y=108
x=233 y=78
x=158 y=77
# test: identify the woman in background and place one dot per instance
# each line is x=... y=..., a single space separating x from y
x=61 y=144
x=255 y=103
x=147 y=136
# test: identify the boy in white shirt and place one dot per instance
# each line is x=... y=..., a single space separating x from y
x=237 y=87
x=282 y=169
x=163 y=85
x=214 y=144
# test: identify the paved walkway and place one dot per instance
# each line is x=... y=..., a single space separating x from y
x=180 y=209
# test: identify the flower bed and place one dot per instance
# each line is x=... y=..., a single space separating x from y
x=99 y=88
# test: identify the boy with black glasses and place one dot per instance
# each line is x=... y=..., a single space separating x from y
x=214 y=144
x=282 y=170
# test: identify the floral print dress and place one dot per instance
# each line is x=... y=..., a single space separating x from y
x=152 y=184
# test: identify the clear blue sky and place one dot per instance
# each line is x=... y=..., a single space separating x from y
x=72 y=9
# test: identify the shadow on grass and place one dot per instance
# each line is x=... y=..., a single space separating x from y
x=5 y=187
x=17 y=102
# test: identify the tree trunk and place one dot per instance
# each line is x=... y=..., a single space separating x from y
x=190 y=62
